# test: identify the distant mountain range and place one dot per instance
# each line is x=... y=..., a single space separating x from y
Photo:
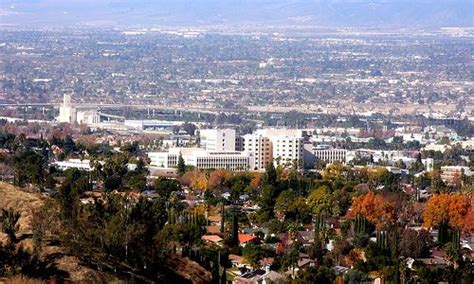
x=326 y=13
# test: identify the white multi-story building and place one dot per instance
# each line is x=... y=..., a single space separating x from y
x=218 y=139
x=281 y=146
x=67 y=113
x=287 y=149
x=259 y=149
x=201 y=159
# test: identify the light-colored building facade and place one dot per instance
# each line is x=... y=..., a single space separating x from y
x=67 y=113
x=287 y=149
x=453 y=174
x=89 y=117
x=201 y=159
x=259 y=149
x=218 y=139
x=331 y=155
x=73 y=164
x=282 y=146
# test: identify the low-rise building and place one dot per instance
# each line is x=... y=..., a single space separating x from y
x=201 y=159
x=331 y=155
x=450 y=174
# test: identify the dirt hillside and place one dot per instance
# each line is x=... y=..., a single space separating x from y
x=24 y=202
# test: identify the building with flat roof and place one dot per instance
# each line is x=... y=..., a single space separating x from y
x=331 y=155
x=259 y=149
x=452 y=174
x=218 y=139
x=201 y=159
x=282 y=146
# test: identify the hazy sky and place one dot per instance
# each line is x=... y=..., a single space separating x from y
x=397 y=13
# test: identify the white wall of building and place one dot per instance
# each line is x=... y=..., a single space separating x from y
x=259 y=149
x=201 y=159
x=331 y=155
x=67 y=113
x=287 y=149
x=218 y=139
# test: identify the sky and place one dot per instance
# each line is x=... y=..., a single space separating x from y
x=374 y=13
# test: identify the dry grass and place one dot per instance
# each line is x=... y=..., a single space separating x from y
x=20 y=279
x=189 y=269
x=24 y=202
x=27 y=203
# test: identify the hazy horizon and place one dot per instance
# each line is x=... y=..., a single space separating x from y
x=118 y=13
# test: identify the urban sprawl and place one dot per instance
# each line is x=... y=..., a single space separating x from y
x=167 y=156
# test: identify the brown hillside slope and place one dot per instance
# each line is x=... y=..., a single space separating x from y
x=27 y=203
x=24 y=202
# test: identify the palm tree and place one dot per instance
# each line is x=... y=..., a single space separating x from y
x=8 y=220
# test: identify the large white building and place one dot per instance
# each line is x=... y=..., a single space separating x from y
x=201 y=159
x=218 y=139
x=89 y=117
x=259 y=150
x=73 y=164
x=282 y=146
x=67 y=113
x=287 y=149
x=331 y=155
x=450 y=174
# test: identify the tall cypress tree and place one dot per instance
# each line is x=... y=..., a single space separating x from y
x=234 y=233
x=270 y=176
x=222 y=219
x=181 y=165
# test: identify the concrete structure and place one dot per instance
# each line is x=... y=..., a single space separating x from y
x=201 y=159
x=259 y=149
x=287 y=149
x=67 y=113
x=282 y=146
x=452 y=174
x=73 y=164
x=89 y=117
x=331 y=155
x=152 y=124
x=218 y=139
x=428 y=163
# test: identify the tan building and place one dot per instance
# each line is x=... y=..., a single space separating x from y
x=452 y=174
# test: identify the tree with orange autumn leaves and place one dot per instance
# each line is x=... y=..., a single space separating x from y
x=455 y=209
x=217 y=178
x=196 y=180
x=375 y=208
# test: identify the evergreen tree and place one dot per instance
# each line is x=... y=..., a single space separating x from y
x=234 y=233
x=222 y=219
x=270 y=176
x=181 y=165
